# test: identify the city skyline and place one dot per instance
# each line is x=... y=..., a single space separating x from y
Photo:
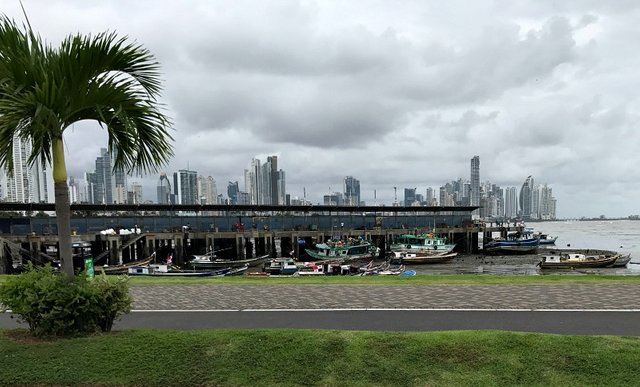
x=265 y=184
x=395 y=96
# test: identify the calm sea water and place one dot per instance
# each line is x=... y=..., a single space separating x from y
x=618 y=235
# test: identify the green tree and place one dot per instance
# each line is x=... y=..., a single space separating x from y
x=45 y=89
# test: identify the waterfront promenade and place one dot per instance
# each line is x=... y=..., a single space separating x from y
x=318 y=297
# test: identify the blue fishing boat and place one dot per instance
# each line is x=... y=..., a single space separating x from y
x=515 y=243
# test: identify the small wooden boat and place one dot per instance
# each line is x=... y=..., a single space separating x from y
x=567 y=260
x=420 y=258
x=622 y=261
x=281 y=266
x=211 y=261
x=166 y=271
x=123 y=269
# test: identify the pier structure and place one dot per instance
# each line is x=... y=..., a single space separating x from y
x=234 y=232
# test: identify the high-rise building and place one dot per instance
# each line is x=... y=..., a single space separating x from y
x=185 y=187
x=409 y=196
x=164 y=193
x=28 y=183
x=431 y=197
x=475 y=181
x=253 y=182
x=207 y=191
x=351 y=191
x=511 y=202
x=136 y=194
x=525 y=199
x=232 y=192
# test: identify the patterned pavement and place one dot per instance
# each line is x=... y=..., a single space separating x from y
x=242 y=297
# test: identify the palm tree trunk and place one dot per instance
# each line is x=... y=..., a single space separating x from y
x=63 y=218
x=63 y=207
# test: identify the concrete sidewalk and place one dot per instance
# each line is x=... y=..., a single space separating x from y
x=462 y=297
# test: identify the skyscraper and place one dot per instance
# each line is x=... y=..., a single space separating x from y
x=207 y=191
x=232 y=191
x=185 y=187
x=525 y=198
x=409 y=196
x=351 y=191
x=475 y=181
x=164 y=189
x=511 y=202
x=28 y=183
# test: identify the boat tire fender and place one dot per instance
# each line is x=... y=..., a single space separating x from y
x=408 y=246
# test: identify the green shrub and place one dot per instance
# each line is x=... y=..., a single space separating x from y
x=54 y=305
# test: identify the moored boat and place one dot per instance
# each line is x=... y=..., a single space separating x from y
x=281 y=266
x=571 y=260
x=211 y=261
x=420 y=258
x=344 y=251
x=513 y=244
x=622 y=261
x=165 y=270
x=421 y=243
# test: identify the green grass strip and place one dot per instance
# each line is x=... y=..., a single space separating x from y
x=320 y=358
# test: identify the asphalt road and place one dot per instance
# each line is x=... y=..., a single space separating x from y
x=624 y=323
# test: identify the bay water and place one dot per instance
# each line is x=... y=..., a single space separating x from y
x=622 y=236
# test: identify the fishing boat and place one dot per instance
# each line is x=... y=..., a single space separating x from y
x=344 y=251
x=622 y=261
x=211 y=261
x=420 y=258
x=166 y=270
x=281 y=266
x=420 y=243
x=571 y=260
x=123 y=269
x=545 y=239
x=514 y=244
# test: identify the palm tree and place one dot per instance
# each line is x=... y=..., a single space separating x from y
x=44 y=90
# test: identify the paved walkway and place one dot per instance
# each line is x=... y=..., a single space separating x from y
x=242 y=297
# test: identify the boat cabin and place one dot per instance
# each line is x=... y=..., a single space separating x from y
x=147 y=270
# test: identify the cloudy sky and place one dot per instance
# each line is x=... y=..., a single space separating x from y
x=393 y=93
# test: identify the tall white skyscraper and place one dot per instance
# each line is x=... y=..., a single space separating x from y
x=28 y=183
x=185 y=187
x=207 y=190
x=511 y=202
x=475 y=181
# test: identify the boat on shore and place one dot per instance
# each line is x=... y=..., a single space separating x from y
x=211 y=261
x=573 y=260
x=344 y=251
x=622 y=261
x=421 y=243
x=167 y=271
x=420 y=258
x=515 y=243
x=281 y=266
x=123 y=269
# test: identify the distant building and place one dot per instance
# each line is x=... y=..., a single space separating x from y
x=475 y=181
x=409 y=196
x=164 y=193
x=185 y=187
x=232 y=192
x=28 y=183
x=351 y=191
x=526 y=198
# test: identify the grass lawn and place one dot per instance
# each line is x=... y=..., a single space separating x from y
x=320 y=357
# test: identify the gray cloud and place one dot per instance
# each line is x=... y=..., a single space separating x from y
x=395 y=96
